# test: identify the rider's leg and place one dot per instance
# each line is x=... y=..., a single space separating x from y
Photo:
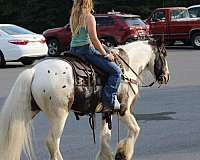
x=110 y=68
x=109 y=92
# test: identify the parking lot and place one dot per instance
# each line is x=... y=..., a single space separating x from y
x=169 y=116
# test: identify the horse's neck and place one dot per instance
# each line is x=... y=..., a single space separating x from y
x=139 y=54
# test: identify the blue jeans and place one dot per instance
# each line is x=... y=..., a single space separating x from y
x=113 y=71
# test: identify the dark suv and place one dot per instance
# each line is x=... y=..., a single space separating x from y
x=113 y=29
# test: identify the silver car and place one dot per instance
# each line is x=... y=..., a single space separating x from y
x=194 y=11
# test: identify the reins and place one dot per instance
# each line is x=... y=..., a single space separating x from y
x=129 y=79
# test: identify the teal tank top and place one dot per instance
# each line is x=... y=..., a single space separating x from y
x=80 y=39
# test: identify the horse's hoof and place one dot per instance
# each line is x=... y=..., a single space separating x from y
x=120 y=156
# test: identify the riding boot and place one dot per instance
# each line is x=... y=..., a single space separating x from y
x=115 y=107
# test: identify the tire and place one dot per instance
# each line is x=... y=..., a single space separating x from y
x=2 y=60
x=27 y=61
x=109 y=42
x=195 y=40
x=53 y=47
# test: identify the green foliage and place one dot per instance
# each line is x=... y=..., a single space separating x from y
x=38 y=15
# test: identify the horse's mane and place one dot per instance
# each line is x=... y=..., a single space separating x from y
x=133 y=46
x=137 y=52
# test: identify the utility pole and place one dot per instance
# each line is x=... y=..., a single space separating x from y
x=163 y=3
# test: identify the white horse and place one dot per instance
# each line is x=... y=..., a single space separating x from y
x=44 y=83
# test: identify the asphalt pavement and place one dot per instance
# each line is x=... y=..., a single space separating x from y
x=169 y=116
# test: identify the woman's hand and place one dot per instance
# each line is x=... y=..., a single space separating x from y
x=110 y=56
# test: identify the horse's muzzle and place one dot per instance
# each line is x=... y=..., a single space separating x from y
x=163 y=79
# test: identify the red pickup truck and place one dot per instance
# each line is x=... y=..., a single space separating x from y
x=176 y=25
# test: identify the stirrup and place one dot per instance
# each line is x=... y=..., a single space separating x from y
x=99 y=108
x=103 y=109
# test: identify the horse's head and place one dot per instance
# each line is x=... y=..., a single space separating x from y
x=158 y=65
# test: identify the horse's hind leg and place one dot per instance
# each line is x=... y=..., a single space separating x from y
x=125 y=148
x=105 y=137
x=56 y=123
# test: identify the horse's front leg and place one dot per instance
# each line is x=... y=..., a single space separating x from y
x=125 y=148
x=105 y=152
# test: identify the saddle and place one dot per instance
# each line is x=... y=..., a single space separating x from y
x=88 y=84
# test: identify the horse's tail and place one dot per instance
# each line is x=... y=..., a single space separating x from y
x=15 y=120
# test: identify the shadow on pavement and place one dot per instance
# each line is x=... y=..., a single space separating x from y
x=155 y=116
x=12 y=66
x=2 y=100
x=181 y=47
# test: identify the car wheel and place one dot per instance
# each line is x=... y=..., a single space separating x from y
x=196 y=40
x=53 y=47
x=109 y=42
x=2 y=60
x=27 y=61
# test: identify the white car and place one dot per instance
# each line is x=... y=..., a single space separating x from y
x=194 y=11
x=20 y=45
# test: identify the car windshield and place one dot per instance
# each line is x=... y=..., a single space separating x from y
x=134 y=21
x=15 y=30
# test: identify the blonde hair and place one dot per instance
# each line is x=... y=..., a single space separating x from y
x=78 y=14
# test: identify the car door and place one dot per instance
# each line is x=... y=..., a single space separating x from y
x=158 y=23
x=104 y=26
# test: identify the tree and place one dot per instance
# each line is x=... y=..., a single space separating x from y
x=38 y=15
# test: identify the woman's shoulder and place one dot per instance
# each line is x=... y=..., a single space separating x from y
x=90 y=17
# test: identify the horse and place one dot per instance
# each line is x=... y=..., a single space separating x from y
x=50 y=83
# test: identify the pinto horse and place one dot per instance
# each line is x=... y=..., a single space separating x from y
x=44 y=83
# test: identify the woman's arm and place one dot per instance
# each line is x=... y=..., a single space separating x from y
x=91 y=27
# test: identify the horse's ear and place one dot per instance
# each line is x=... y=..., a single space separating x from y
x=163 y=50
x=160 y=43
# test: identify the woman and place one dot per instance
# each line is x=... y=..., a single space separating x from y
x=86 y=44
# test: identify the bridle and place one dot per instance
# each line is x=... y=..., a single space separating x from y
x=159 y=62
x=130 y=79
